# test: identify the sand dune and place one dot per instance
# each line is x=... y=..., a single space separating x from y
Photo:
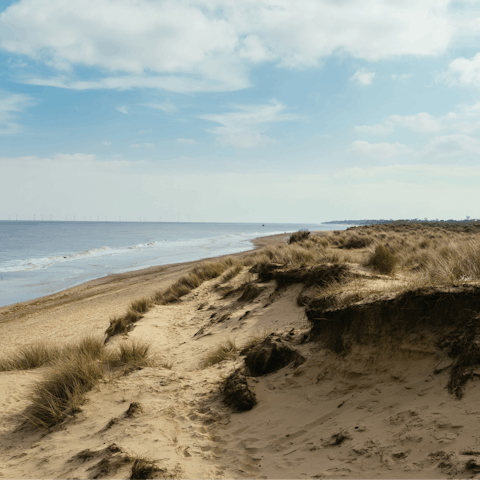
x=377 y=411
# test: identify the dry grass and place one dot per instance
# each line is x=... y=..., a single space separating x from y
x=61 y=393
x=45 y=353
x=184 y=285
x=299 y=236
x=143 y=468
x=383 y=260
x=136 y=353
x=227 y=350
x=121 y=324
x=76 y=371
x=257 y=337
x=232 y=272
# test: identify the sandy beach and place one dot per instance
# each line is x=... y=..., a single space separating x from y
x=380 y=409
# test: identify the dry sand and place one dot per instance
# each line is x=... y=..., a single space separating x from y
x=373 y=413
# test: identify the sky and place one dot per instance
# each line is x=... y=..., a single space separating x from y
x=239 y=110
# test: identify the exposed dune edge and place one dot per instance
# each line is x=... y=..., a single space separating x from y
x=369 y=401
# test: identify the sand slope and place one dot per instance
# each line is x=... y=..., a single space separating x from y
x=374 y=413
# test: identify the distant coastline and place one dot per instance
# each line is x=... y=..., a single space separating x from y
x=466 y=221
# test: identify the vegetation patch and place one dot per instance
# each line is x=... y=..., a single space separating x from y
x=383 y=260
x=143 y=468
x=45 y=353
x=227 y=350
x=61 y=392
x=184 y=285
x=299 y=236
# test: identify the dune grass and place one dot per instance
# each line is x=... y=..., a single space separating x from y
x=383 y=260
x=61 y=391
x=44 y=353
x=299 y=236
x=144 y=468
x=232 y=272
x=226 y=350
x=184 y=285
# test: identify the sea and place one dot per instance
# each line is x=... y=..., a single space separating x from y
x=38 y=258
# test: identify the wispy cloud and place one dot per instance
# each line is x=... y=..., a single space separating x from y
x=465 y=119
x=378 y=150
x=165 y=107
x=11 y=105
x=123 y=109
x=191 y=141
x=453 y=145
x=141 y=145
x=363 y=77
x=243 y=127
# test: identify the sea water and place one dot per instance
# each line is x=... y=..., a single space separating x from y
x=40 y=258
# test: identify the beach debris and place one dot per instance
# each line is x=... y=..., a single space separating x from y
x=237 y=394
x=269 y=356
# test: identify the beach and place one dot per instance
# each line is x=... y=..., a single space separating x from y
x=87 y=308
x=330 y=394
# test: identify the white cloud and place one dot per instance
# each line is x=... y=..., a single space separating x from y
x=123 y=109
x=379 y=150
x=107 y=143
x=420 y=122
x=465 y=71
x=209 y=45
x=242 y=128
x=453 y=145
x=363 y=77
x=191 y=141
x=165 y=107
x=11 y=104
x=140 y=145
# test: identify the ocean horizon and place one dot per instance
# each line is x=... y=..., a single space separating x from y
x=39 y=258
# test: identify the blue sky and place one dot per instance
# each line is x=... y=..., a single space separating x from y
x=227 y=110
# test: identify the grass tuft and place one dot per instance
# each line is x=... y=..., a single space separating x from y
x=143 y=468
x=382 y=260
x=76 y=371
x=185 y=284
x=44 y=353
x=61 y=393
x=136 y=353
x=299 y=236
x=227 y=350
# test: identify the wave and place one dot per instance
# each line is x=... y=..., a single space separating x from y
x=164 y=248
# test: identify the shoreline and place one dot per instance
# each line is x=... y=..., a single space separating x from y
x=89 y=306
